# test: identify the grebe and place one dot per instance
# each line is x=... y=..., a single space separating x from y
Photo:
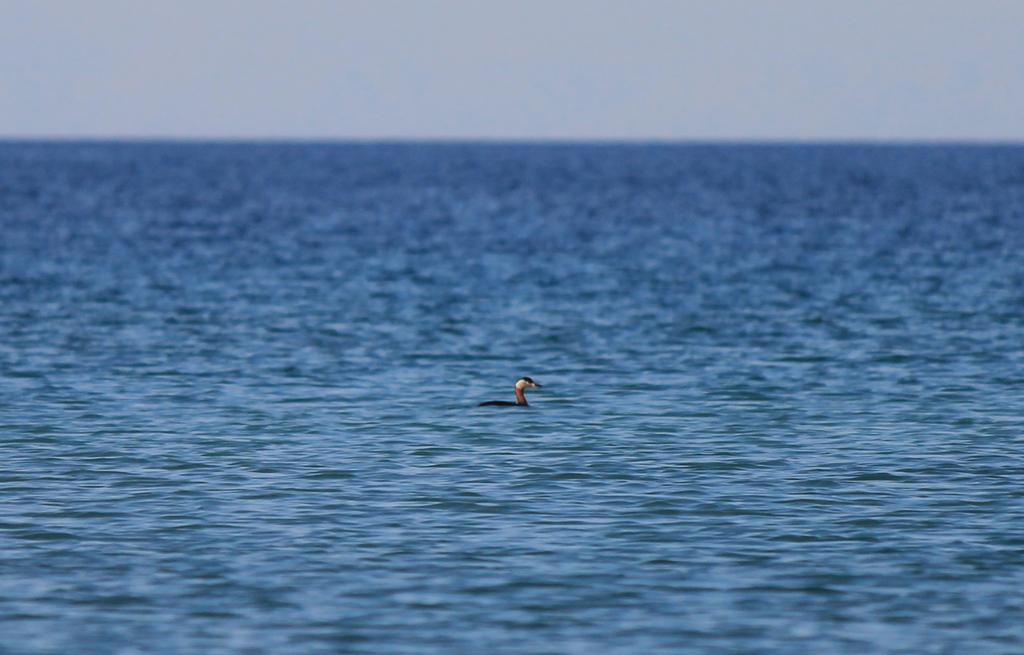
x=521 y=384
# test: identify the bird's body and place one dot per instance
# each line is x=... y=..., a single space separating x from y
x=521 y=385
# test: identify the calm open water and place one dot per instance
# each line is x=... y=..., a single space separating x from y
x=781 y=408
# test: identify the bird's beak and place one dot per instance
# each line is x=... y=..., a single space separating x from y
x=537 y=385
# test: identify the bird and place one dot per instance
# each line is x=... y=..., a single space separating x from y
x=522 y=384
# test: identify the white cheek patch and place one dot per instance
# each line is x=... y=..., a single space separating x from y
x=522 y=384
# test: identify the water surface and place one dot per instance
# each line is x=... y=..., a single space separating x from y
x=781 y=403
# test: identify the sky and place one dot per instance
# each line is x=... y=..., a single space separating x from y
x=525 y=69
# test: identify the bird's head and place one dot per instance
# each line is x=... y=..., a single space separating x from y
x=526 y=383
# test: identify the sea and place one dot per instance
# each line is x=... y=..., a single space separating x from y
x=781 y=409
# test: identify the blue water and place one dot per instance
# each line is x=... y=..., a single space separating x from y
x=781 y=407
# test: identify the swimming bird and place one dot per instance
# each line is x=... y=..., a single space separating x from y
x=521 y=385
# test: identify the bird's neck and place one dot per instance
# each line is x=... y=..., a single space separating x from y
x=520 y=397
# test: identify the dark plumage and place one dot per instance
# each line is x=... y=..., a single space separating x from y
x=521 y=385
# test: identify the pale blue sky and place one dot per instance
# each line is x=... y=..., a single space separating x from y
x=535 y=69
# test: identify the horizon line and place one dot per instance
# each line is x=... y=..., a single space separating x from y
x=494 y=140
